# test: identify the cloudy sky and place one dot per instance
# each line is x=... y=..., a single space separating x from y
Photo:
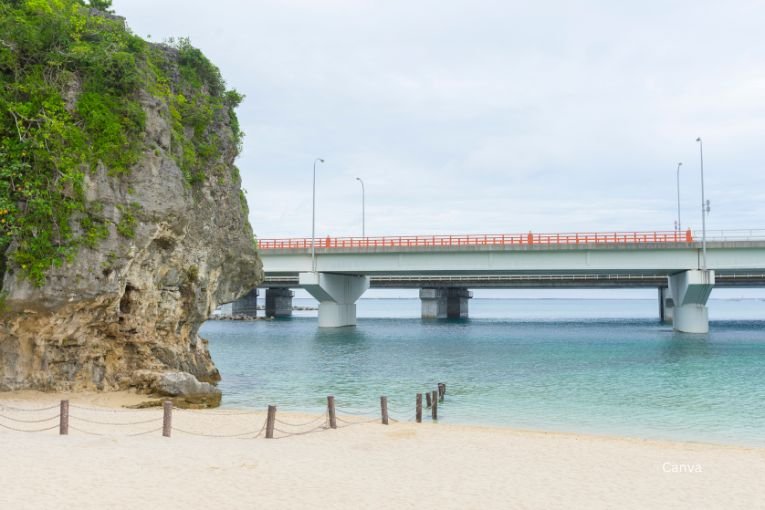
x=487 y=116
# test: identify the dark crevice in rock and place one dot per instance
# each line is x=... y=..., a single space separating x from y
x=126 y=303
x=165 y=243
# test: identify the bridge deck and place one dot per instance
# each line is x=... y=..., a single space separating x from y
x=636 y=259
x=610 y=259
x=558 y=240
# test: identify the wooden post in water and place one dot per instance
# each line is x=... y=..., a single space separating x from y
x=384 y=409
x=167 y=418
x=331 y=412
x=63 y=418
x=418 y=409
x=434 y=408
x=270 y=422
x=427 y=399
x=441 y=391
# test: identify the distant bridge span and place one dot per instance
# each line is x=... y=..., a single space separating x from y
x=445 y=266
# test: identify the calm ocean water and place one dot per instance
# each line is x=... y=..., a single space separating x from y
x=581 y=365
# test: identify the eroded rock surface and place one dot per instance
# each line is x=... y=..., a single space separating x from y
x=128 y=311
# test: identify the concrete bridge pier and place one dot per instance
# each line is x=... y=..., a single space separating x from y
x=457 y=303
x=246 y=305
x=690 y=291
x=666 y=305
x=337 y=295
x=433 y=303
x=279 y=302
x=445 y=302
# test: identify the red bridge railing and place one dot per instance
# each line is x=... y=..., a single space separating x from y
x=529 y=238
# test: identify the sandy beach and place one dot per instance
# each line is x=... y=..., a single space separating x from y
x=363 y=465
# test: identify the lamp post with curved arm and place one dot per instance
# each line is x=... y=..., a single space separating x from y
x=703 y=208
x=363 y=209
x=679 y=225
x=313 y=216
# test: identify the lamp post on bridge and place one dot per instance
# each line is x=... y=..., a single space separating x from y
x=703 y=208
x=313 y=216
x=363 y=209
x=679 y=225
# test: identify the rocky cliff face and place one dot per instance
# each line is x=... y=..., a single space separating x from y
x=126 y=311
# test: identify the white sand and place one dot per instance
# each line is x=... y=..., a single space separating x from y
x=403 y=465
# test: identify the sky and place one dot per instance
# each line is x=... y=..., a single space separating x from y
x=487 y=116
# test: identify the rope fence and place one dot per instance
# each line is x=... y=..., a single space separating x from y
x=132 y=423
x=4 y=407
x=28 y=430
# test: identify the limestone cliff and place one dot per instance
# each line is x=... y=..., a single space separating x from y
x=122 y=306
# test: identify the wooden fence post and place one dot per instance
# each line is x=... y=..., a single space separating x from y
x=384 y=409
x=434 y=408
x=331 y=412
x=428 y=399
x=167 y=418
x=270 y=422
x=418 y=409
x=63 y=419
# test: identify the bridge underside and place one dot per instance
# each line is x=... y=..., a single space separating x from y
x=682 y=296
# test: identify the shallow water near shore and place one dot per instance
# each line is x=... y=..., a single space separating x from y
x=593 y=366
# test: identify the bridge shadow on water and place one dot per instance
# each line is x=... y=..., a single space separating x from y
x=683 y=346
x=338 y=337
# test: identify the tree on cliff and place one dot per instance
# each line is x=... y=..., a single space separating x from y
x=70 y=83
x=101 y=5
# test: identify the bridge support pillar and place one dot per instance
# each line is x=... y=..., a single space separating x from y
x=457 y=303
x=690 y=291
x=433 y=303
x=337 y=295
x=443 y=303
x=279 y=302
x=246 y=305
x=666 y=305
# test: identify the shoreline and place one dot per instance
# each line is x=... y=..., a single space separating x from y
x=122 y=400
x=359 y=465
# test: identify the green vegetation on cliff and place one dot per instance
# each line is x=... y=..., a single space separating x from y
x=73 y=80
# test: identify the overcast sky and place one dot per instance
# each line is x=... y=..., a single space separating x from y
x=487 y=116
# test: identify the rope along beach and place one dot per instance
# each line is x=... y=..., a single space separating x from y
x=95 y=421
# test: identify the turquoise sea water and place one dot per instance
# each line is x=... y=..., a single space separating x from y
x=595 y=366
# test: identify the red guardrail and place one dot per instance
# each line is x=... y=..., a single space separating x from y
x=529 y=238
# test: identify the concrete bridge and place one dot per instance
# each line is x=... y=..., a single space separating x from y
x=445 y=267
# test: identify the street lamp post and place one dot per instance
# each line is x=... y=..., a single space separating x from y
x=313 y=216
x=703 y=208
x=363 y=209
x=679 y=225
